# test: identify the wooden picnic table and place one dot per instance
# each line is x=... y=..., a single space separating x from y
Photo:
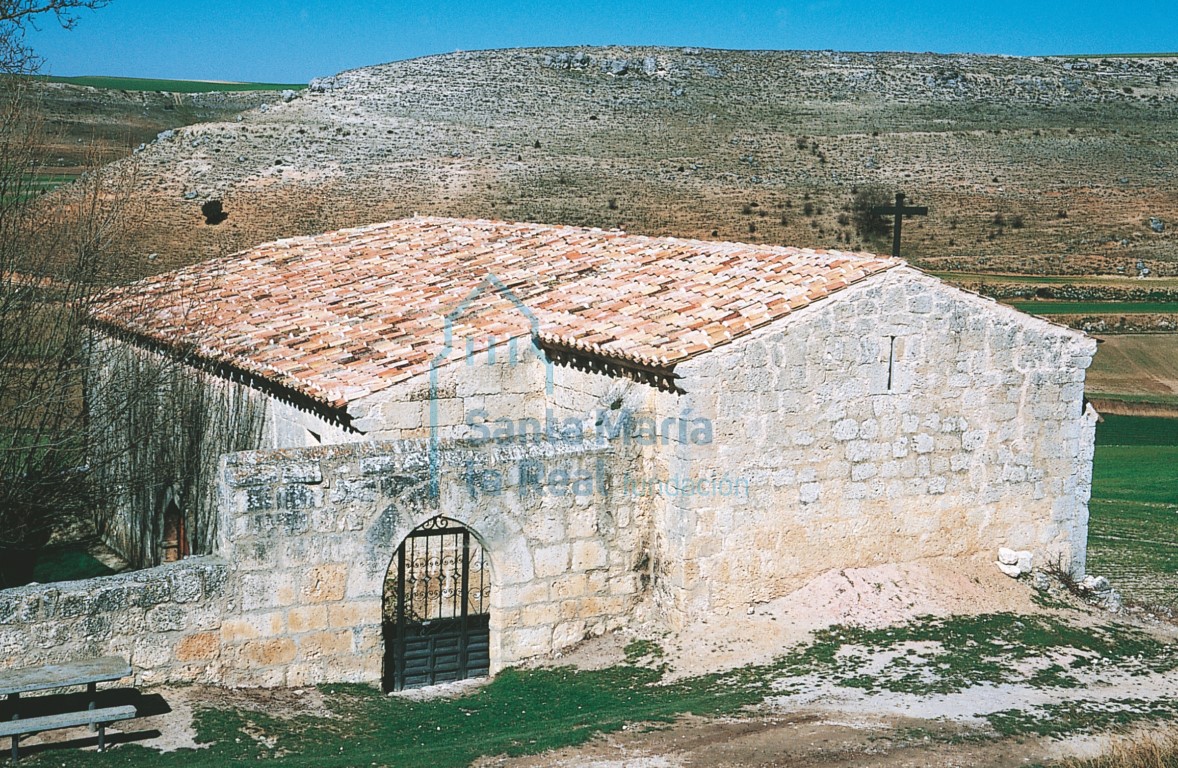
x=90 y=673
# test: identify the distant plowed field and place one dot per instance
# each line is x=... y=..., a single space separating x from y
x=1137 y=366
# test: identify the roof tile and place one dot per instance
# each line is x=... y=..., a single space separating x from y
x=343 y=314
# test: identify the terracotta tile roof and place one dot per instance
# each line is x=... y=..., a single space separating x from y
x=341 y=315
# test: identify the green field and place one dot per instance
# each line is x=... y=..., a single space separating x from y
x=1096 y=307
x=1122 y=397
x=173 y=86
x=1133 y=527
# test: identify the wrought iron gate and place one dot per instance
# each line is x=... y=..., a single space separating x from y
x=437 y=608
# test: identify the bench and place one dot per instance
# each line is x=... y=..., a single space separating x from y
x=99 y=718
x=89 y=673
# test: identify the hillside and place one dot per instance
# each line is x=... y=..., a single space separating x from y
x=1028 y=165
x=87 y=125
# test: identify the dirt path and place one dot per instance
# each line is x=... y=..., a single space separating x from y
x=801 y=740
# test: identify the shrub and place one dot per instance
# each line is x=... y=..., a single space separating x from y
x=867 y=224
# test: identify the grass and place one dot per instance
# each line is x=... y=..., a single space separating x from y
x=173 y=86
x=940 y=656
x=1141 y=750
x=39 y=184
x=530 y=711
x=520 y=712
x=1135 y=431
x=1070 y=717
x=1133 y=523
x=1096 y=307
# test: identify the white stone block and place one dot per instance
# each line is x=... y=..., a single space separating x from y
x=847 y=429
x=1013 y=571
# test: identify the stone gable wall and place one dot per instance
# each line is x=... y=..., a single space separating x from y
x=966 y=433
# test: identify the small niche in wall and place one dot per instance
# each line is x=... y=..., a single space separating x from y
x=174 y=545
x=891 y=374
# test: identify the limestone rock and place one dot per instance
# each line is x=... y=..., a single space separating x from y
x=1007 y=556
x=1096 y=584
x=1024 y=561
x=1013 y=571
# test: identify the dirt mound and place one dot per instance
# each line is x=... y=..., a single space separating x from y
x=871 y=597
x=890 y=594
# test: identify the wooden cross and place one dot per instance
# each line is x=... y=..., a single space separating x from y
x=899 y=211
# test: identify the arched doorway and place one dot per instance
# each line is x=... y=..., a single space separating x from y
x=437 y=600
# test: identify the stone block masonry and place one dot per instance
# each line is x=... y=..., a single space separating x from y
x=898 y=420
x=312 y=534
x=166 y=621
x=307 y=537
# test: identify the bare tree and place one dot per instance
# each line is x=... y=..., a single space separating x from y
x=50 y=257
x=96 y=426
x=18 y=16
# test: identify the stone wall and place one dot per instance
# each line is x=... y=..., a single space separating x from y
x=897 y=420
x=307 y=537
x=166 y=621
x=313 y=533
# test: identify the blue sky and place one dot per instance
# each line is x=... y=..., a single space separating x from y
x=293 y=40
